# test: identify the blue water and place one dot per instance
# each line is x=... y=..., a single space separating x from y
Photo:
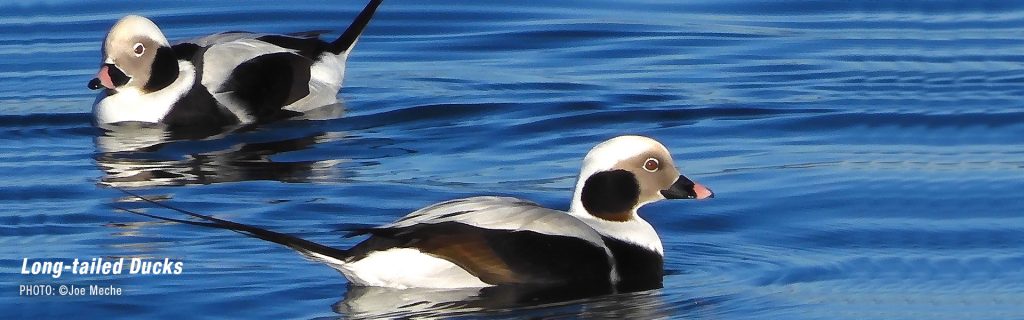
x=867 y=157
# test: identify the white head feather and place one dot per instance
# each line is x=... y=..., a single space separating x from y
x=603 y=157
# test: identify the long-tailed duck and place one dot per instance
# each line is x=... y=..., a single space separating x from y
x=600 y=243
x=222 y=79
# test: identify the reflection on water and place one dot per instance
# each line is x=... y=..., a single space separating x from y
x=245 y=162
x=137 y=136
x=867 y=153
x=142 y=155
x=376 y=302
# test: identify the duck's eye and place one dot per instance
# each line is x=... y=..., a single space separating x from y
x=651 y=165
x=139 y=49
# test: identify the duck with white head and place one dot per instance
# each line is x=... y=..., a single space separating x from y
x=228 y=78
x=601 y=243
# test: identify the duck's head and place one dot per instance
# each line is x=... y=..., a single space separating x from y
x=135 y=55
x=624 y=173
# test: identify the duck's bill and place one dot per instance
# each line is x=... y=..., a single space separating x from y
x=684 y=188
x=95 y=84
x=103 y=78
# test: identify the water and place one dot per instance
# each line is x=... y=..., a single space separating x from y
x=866 y=156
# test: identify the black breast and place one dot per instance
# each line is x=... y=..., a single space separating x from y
x=639 y=268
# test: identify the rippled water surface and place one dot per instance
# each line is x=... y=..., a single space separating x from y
x=867 y=157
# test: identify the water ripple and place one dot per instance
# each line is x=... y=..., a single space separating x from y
x=865 y=155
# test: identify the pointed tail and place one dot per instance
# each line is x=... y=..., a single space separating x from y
x=348 y=39
x=312 y=250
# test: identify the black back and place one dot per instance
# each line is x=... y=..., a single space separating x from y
x=266 y=83
x=533 y=258
x=187 y=51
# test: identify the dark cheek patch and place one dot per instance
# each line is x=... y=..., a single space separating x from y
x=611 y=195
x=117 y=77
x=164 y=70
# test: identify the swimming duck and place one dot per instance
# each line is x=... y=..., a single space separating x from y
x=222 y=79
x=601 y=242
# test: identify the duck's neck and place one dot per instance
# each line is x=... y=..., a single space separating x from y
x=634 y=231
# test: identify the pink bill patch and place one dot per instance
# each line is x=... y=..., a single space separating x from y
x=702 y=191
x=104 y=77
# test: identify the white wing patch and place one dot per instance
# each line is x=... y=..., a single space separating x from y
x=223 y=37
x=502 y=213
x=220 y=60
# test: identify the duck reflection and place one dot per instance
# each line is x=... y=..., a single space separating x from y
x=140 y=136
x=378 y=302
x=144 y=155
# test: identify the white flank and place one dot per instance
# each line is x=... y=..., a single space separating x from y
x=406 y=268
x=325 y=78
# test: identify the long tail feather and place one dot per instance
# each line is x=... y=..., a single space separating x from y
x=348 y=39
x=308 y=248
